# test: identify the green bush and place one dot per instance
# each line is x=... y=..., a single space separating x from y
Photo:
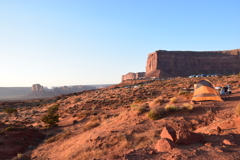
x=10 y=129
x=10 y=110
x=188 y=106
x=156 y=113
x=52 y=117
x=170 y=108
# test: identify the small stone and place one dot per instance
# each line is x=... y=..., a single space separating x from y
x=152 y=152
x=219 y=130
x=229 y=142
x=165 y=145
x=208 y=144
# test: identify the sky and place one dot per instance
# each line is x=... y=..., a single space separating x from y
x=83 y=42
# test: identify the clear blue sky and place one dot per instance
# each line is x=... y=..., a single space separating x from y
x=76 y=42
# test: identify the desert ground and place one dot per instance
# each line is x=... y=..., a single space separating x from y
x=118 y=123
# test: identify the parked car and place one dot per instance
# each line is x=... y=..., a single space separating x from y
x=192 y=76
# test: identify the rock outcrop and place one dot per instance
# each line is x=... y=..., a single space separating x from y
x=62 y=90
x=161 y=63
x=37 y=87
x=132 y=75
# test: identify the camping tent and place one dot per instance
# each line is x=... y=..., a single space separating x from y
x=204 y=91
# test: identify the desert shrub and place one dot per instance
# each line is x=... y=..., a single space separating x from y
x=10 y=129
x=156 y=113
x=59 y=136
x=52 y=117
x=138 y=101
x=173 y=100
x=77 y=100
x=2 y=132
x=183 y=92
x=133 y=106
x=159 y=100
x=156 y=102
x=90 y=125
x=10 y=110
x=237 y=110
x=142 y=108
x=170 y=108
x=187 y=106
x=84 y=114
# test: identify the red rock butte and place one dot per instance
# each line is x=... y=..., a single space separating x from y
x=163 y=63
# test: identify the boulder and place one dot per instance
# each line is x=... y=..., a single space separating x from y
x=168 y=132
x=165 y=145
x=229 y=142
x=187 y=137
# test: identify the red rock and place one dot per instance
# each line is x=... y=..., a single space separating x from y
x=168 y=132
x=229 y=142
x=131 y=75
x=208 y=144
x=188 y=137
x=164 y=63
x=165 y=145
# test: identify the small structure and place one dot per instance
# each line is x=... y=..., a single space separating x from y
x=204 y=91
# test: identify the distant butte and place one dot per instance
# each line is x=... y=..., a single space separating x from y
x=164 y=64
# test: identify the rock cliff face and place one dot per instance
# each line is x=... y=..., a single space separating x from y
x=37 y=87
x=131 y=75
x=184 y=63
x=62 y=90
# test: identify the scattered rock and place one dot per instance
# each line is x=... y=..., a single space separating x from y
x=219 y=129
x=165 y=145
x=208 y=144
x=168 y=132
x=229 y=142
x=188 y=137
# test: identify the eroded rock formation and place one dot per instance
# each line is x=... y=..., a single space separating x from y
x=62 y=90
x=184 y=63
x=131 y=75
x=37 y=87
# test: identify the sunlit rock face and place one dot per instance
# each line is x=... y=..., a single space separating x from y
x=131 y=75
x=37 y=87
x=162 y=63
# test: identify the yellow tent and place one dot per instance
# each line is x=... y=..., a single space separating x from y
x=204 y=91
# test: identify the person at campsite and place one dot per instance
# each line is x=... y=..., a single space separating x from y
x=224 y=93
x=229 y=90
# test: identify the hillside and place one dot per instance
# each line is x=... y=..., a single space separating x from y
x=113 y=123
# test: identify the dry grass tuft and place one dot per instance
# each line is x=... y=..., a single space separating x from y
x=156 y=113
x=188 y=106
x=89 y=125
x=186 y=94
x=59 y=136
x=173 y=100
x=156 y=102
x=142 y=108
x=171 y=108
x=84 y=114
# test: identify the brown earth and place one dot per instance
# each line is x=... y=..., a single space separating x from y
x=113 y=123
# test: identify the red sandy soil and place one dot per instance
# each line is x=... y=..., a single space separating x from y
x=106 y=124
